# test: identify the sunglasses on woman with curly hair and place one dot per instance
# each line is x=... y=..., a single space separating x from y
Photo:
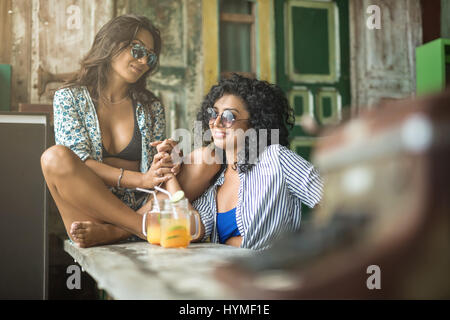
x=227 y=118
x=138 y=51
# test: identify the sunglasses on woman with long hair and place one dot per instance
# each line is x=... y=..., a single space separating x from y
x=138 y=51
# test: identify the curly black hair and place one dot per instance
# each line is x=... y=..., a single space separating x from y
x=265 y=102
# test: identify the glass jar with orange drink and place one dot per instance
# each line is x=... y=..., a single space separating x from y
x=153 y=222
x=175 y=224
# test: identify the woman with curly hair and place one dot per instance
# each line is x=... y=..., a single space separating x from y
x=106 y=124
x=256 y=195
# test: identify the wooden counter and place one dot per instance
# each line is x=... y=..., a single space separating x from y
x=139 y=270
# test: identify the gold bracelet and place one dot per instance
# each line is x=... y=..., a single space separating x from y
x=120 y=177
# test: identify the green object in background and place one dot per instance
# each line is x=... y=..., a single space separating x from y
x=313 y=65
x=311 y=53
x=433 y=66
x=5 y=87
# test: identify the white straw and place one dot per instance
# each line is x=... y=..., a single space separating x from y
x=164 y=191
x=175 y=214
x=144 y=190
x=154 y=197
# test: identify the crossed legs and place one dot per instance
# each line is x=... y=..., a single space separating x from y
x=91 y=214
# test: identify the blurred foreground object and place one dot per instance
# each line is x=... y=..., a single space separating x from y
x=384 y=220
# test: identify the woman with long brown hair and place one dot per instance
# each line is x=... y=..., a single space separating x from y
x=107 y=125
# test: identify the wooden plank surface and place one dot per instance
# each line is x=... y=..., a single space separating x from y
x=20 y=51
x=63 y=32
x=51 y=34
x=139 y=270
x=383 y=60
x=237 y=18
x=5 y=31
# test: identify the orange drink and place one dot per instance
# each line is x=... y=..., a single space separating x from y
x=175 y=233
x=175 y=224
x=154 y=228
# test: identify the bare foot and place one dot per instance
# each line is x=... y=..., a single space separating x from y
x=88 y=234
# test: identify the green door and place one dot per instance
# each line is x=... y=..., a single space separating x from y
x=312 y=54
x=312 y=43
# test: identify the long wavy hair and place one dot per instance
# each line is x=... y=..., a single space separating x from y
x=267 y=106
x=114 y=37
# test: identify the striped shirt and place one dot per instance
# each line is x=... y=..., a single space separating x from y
x=269 y=198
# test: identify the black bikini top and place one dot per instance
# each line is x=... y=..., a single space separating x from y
x=133 y=151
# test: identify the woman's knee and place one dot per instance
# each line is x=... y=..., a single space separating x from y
x=58 y=160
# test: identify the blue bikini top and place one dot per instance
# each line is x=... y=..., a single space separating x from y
x=226 y=225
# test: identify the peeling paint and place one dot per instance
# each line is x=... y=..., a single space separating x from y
x=179 y=79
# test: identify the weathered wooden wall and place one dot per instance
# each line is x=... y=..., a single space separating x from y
x=178 y=82
x=5 y=30
x=55 y=34
x=383 y=60
x=62 y=33
x=51 y=34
